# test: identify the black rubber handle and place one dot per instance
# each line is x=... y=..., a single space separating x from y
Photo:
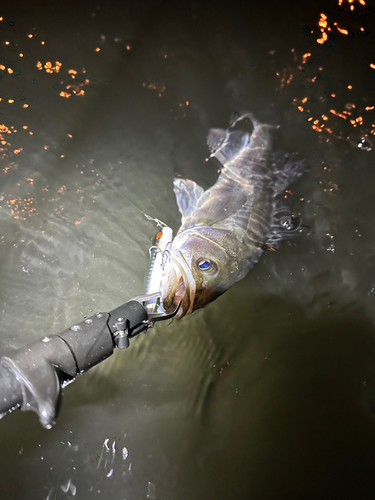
x=31 y=377
x=11 y=391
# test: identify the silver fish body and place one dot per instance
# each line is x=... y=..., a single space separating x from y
x=226 y=228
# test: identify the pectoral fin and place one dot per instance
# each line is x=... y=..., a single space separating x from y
x=188 y=194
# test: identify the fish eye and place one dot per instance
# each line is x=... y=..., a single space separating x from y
x=207 y=266
x=204 y=265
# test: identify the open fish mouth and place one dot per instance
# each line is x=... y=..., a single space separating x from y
x=178 y=283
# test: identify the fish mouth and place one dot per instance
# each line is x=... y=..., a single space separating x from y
x=178 y=284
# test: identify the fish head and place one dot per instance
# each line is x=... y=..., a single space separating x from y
x=202 y=264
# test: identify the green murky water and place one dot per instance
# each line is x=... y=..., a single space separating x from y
x=270 y=391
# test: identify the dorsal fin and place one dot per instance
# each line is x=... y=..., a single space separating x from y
x=287 y=169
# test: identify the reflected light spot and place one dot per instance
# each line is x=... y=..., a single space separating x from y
x=49 y=67
x=343 y=31
x=336 y=113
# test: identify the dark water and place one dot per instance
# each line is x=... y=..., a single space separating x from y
x=270 y=391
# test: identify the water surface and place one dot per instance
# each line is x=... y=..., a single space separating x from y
x=267 y=393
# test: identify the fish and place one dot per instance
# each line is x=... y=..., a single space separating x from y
x=226 y=228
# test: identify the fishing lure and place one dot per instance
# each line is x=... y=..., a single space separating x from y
x=155 y=267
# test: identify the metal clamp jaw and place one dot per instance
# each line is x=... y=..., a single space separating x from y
x=129 y=320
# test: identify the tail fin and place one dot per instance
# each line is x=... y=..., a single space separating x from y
x=225 y=144
x=243 y=115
